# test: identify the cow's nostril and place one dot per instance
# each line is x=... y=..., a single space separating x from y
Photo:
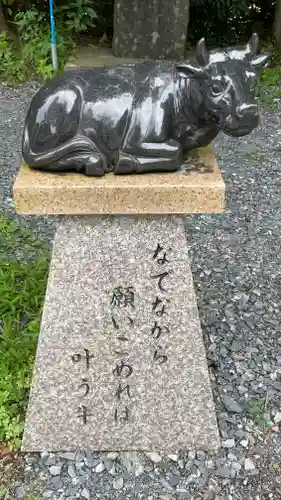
x=247 y=110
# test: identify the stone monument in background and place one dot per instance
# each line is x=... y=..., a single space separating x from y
x=151 y=28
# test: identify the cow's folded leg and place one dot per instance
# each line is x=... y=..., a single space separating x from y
x=95 y=165
x=140 y=164
x=168 y=149
x=157 y=164
x=90 y=163
x=126 y=164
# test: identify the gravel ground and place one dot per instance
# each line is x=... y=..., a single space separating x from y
x=237 y=266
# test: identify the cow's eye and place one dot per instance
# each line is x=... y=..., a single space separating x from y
x=217 y=89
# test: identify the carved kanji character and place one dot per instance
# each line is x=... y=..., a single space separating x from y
x=118 y=370
x=157 y=330
x=124 y=418
x=161 y=358
x=76 y=358
x=86 y=386
x=160 y=278
x=84 y=414
x=158 y=307
x=123 y=296
x=160 y=260
x=121 y=389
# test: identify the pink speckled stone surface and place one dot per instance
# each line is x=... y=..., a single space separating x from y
x=169 y=401
x=198 y=187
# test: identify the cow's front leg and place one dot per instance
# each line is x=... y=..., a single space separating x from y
x=141 y=164
x=164 y=156
x=199 y=138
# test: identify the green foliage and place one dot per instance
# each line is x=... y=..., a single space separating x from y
x=33 y=58
x=80 y=15
x=34 y=31
x=4 y=495
x=23 y=273
x=269 y=89
x=275 y=51
x=9 y=60
x=226 y=22
x=256 y=411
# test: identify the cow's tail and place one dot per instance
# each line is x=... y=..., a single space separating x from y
x=52 y=156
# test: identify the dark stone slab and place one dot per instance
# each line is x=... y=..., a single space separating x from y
x=150 y=28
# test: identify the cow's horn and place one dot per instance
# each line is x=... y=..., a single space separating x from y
x=201 y=52
x=252 y=45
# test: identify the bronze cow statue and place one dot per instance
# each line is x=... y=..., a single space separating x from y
x=142 y=117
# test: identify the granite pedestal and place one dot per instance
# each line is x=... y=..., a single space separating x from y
x=120 y=362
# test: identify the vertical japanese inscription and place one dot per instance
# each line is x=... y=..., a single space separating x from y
x=122 y=315
x=84 y=387
x=160 y=305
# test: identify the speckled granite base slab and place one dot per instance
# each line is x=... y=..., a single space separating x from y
x=120 y=361
x=197 y=188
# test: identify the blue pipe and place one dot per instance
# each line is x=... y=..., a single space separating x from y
x=53 y=31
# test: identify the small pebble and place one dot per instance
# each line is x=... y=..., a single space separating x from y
x=244 y=443
x=249 y=464
x=229 y=443
x=118 y=483
x=230 y=404
x=174 y=480
x=165 y=483
x=55 y=470
x=225 y=471
x=277 y=417
x=71 y=471
x=112 y=471
x=154 y=457
x=173 y=457
x=139 y=470
x=112 y=455
x=19 y=492
x=236 y=466
x=69 y=455
x=86 y=494
x=100 y=467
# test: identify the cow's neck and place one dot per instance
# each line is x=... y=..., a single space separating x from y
x=188 y=101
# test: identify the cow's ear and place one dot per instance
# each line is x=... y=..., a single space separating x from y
x=202 y=54
x=190 y=70
x=252 y=45
x=261 y=61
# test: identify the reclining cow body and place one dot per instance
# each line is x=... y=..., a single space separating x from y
x=141 y=117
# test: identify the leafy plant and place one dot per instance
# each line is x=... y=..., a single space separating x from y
x=269 y=89
x=23 y=273
x=79 y=14
x=10 y=64
x=256 y=411
x=34 y=31
x=225 y=22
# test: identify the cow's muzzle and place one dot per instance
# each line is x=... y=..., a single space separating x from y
x=247 y=111
x=245 y=119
